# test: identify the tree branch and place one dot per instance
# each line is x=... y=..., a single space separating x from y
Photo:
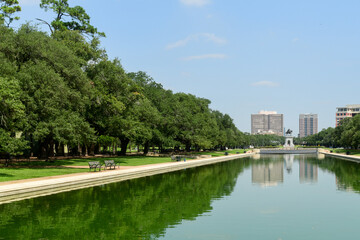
x=45 y=22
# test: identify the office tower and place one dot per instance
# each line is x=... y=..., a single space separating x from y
x=267 y=122
x=348 y=111
x=308 y=124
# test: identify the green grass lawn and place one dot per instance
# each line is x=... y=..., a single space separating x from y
x=34 y=169
x=10 y=174
x=355 y=152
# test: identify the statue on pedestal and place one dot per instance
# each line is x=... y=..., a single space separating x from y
x=289 y=140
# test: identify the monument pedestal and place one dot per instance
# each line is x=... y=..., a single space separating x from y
x=289 y=142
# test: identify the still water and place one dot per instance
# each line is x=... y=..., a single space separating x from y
x=268 y=197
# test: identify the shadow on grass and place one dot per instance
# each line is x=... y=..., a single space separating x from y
x=6 y=175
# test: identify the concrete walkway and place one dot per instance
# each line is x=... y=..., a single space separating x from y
x=30 y=188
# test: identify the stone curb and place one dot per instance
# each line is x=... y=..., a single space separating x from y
x=345 y=157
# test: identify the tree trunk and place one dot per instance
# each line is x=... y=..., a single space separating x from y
x=79 y=149
x=92 y=149
x=188 y=147
x=124 y=143
x=60 y=150
x=146 y=148
x=114 y=149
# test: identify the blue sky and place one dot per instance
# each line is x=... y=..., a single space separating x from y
x=244 y=55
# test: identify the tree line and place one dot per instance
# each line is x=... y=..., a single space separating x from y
x=346 y=135
x=60 y=89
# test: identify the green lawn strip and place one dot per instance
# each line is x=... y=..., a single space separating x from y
x=124 y=161
x=355 y=152
x=11 y=174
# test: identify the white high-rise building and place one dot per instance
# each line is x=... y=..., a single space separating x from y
x=267 y=122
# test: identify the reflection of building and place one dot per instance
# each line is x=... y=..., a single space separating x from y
x=268 y=174
x=289 y=160
x=308 y=124
x=266 y=122
x=348 y=111
x=308 y=171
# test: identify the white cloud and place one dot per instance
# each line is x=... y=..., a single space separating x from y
x=196 y=37
x=29 y=2
x=197 y=3
x=265 y=84
x=295 y=39
x=205 y=56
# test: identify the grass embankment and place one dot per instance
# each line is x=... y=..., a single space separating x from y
x=11 y=174
x=355 y=152
x=35 y=169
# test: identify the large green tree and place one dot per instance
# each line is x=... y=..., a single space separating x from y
x=55 y=88
x=111 y=111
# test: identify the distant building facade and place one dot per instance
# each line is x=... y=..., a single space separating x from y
x=308 y=124
x=348 y=111
x=267 y=122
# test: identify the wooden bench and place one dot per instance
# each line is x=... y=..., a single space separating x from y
x=175 y=158
x=95 y=165
x=111 y=164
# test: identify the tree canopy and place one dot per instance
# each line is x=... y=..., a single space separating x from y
x=60 y=89
x=346 y=135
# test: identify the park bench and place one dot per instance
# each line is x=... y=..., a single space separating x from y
x=95 y=165
x=110 y=164
x=176 y=158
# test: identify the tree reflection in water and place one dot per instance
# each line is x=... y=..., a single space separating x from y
x=144 y=208
x=136 y=209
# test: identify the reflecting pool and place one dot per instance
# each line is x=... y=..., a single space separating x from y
x=263 y=197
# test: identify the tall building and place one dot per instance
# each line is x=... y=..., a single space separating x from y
x=348 y=111
x=267 y=122
x=308 y=124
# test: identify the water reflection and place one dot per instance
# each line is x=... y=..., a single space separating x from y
x=268 y=170
x=145 y=208
x=289 y=161
x=269 y=173
x=137 y=209
x=308 y=172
